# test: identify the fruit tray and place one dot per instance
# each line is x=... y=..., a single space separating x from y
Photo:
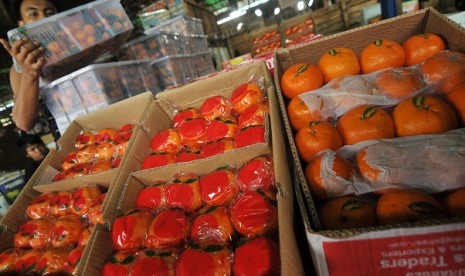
x=185 y=25
x=75 y=38
x=154 y=46
x=96 y=86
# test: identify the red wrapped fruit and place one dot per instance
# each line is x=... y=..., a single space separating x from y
x=105 y=135
x=27 y=263
x=34 y=234
x=53 y=261
x=67 y=231
x=158 y=160
x=258 y=173
x=218 y=147
x=78 y=170
x=83 y=199
x=255 y=213
x=193 y=132
x=121 y=142
x=84 y=139
x=216 y=106
x=151 y=197
x=220 y=128
x=120 y=263
x=151 y=262
x=259 y=256
x=105 y=151
x=219 y=187
x=212 y=225
x=244 y=96
x=184 y=192
x=169 y=228
x=188 y=155
x=130 y=229
x=250 y=136
x=39 y=207
x=182 y=115
x=101 y=166
x=8 y=259
x=213 y=260
x=166 y=141
x=86 y=155
x=69 y=161
x=255 y=115
x=59 y=203
x=73 y=259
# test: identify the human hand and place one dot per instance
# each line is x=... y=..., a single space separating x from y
x=28 y=55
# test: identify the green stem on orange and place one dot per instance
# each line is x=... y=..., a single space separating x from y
x=369 y=112
x=301 y=70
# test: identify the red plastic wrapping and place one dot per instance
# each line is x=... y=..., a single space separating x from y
x=215 y=106
x=170 y=228
x=254 y=115
x=34 y=234
x=166 y=141
x=212 y=260
x=258 y=173
x=9 y=258
x=221 y=127
x=246 y=95
x=130 y=229
x=193 y=132
x=84 y=139
x=219 y=187
x=84 y=237
x=152 y=197
x=59 y=203
x=183 y=115
x=158 y=160
x=151 y=262
x=255 y=213
x=67 y=231
x=105 y=135
x=217 y=147
x=73 y=259
x=53 y=261
x=259 y=256
x=250 y=136
x=120 y=263
x=39 y=207
x=27 y=264
x=184 y=192
x=212 y=225
x=83 y=199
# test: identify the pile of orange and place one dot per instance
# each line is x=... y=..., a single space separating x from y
x=404 y=68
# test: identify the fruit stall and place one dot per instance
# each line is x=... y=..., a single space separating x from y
x=321 y=155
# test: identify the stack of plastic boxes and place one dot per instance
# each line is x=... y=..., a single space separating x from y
x=178 y=48
x=97 y=86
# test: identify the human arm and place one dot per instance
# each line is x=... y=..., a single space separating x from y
x=25 y=85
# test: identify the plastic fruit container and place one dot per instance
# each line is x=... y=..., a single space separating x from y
x=184 y=25
x=75 y=38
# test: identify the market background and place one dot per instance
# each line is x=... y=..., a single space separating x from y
x=225 y=41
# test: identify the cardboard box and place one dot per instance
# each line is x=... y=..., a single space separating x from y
x=160 y=118
x=373 y=251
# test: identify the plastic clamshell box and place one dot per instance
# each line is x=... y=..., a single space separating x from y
x=154 y=46
x=197 y=44
x=96 y=86
x=185 y=25
x=171 y=71
x=75 y=38
x=201 y=64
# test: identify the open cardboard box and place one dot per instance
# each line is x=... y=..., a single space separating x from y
x=377 y=250
x=161 y=117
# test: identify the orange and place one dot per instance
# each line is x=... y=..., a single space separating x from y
x=398 y=82
x=316 y=175
x=442 y=65
x=452 y=81
x=368 y=171
x=301 y=78
x=338 y=62
x=456 y=99
x=406 y=205
x=454 y=202
x=381 y=54
x=299 y=113
x=421 y=46
x=346 y=213
x=315 y=137
x=423 y=115
x=365 y=122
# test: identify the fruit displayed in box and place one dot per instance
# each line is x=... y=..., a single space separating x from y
x=96 y=152
x=77 y=37
x=265 y=37
x=299 y=32
x=219 y=125
x=206 y=222
x=53 y=239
